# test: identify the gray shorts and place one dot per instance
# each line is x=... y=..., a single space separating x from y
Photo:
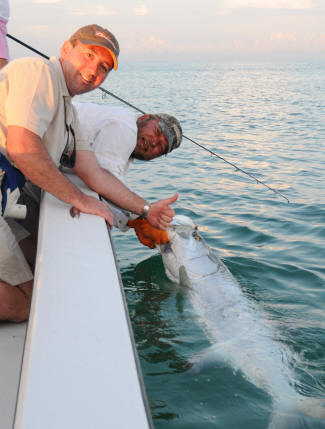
x=14 y=268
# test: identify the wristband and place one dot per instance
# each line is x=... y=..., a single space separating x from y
x=145 y=210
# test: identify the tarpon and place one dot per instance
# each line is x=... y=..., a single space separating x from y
x=240 y=335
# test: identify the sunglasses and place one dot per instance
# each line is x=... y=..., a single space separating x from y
x=170 y=135
x=68 y=157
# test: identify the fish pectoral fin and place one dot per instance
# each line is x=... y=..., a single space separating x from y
x=210 y=357
x=183 y=277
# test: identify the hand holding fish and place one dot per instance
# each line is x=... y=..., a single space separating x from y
x=160 y=214
x=147 y=234
x=92 y=205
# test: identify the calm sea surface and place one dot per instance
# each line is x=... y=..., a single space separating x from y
x=269 y=119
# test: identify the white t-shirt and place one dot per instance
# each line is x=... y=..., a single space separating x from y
x=4 y=9
x=112 y=133
x=34 y=95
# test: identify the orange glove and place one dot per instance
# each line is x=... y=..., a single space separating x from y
x=147 y=234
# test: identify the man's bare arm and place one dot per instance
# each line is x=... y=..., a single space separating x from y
x=28 y=153
x=107 y=185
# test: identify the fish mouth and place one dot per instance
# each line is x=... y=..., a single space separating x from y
x=181 y=222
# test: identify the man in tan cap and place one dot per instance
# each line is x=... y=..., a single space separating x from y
x=39 y=130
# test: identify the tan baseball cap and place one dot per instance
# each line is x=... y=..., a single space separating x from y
x=95 y=35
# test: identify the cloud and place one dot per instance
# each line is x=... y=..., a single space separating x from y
x=98 y=10
x=46 y=1
x=318 y=40
x=269 y=4
x=141 y=10
x=283 y=37
x=41 y=29
x=153 y=42
x=148 y=43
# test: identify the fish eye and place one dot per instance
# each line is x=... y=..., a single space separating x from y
x=195 y=235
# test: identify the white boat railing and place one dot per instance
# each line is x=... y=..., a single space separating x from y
x=80 y=366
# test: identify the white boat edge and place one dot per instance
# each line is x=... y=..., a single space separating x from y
x=80 y=367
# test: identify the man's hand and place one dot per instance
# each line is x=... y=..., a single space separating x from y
x=92 y=205
x=147 y=234
x=160 y=214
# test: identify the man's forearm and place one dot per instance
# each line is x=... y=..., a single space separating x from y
x=29 y=155
x=106 y=184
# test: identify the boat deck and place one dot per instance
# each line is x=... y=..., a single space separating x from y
x=12 y=338
x=80 y=366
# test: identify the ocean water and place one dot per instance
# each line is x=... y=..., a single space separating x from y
x=269 y=119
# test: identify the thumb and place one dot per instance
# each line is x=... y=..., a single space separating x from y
x=171 y=200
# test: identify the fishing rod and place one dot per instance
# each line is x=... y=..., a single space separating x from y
x=28 y=46
x=258 y=181
x=205 y=148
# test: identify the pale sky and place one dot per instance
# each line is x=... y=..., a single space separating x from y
x=179 y=30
